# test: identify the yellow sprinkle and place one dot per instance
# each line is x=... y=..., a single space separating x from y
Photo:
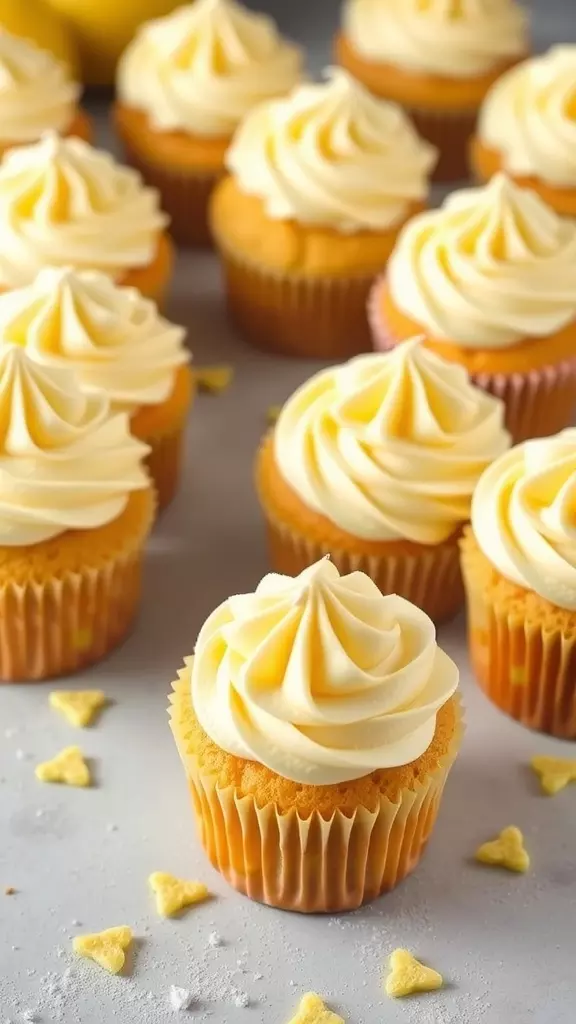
x=214 y=379
x=408 y=976
x=68 y=768
x=105 y=948
x=173 y=894
x=555 y=772
x=79 y=707
x=312 y=1010
x=273 y=413
x=507 y=851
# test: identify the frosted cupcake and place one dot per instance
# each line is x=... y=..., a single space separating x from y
x=527 y=127
x=437 y=58
x=64 y=203
x=320 y=184
x=76 y=507
x=490 y=279
x=374 y=463
x=519 y=563
x=36 y=95
x=119 y=346
x=184 y=85
x=317 y=724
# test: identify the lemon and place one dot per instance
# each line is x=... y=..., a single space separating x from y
x=35 y=20
x=103 y=28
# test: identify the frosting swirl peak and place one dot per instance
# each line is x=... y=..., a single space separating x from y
x=36 y=93
x=320 y=678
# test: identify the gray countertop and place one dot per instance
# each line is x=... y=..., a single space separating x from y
x=80 y=859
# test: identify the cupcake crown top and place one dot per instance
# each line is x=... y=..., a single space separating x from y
x=66 y=463
x=36 y=93
x=524 y=517
x=390 y=446
x=452 y=38
x=63 y=202
x=491 y=267
x=203 y=67
x=113 y=337
x=320 y=678
x=332 y=154
x=529 y=116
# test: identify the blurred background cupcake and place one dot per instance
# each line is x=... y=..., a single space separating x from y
x=527 y=127
x=62 y=203
x=374 y=463
x=490 y=279
x=37 y=95
x=317 y=724
x=320 y=184
x=519 y=564
x=437 y=58
x=76 y=508
x=119 y=346
x=184 y=85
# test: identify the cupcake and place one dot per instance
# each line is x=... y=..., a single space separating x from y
x=184 y=85
x=119 y=346
x=490 y=279
x=527 y=127
x=374 y=463
x=36 y=95
x=519 y=564
x=320 y=184
x=437 y=59
x=62 y=203
x=317 y=723
x=76 y=507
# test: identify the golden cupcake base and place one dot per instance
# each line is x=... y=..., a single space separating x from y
x=163 y=427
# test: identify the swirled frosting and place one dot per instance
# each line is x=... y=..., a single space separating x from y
x=493 y=266
x=114 y=339
x=524 y=517
x=332 y=154
x=529 y=116
x=390 y=446
x=62 y=202
x=65 y=462
x=202 y=68
x=36 y=93
x=452 y=38
x=320 y=678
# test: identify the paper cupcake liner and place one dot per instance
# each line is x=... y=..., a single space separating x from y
x=430 y=579
x=164 y=463
x=450 y=132
x=297 y=315
x=526 y=668
x=538 y=403
x=313 y=864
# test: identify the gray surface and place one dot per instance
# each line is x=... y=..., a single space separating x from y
x=505 y=944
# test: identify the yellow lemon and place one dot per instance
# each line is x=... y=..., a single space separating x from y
x=104 y=27
x=35 y=20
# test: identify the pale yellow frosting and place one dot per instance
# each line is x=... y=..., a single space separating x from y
x=62 y=202
x=529 y=116
x=65 y=462
x=390 y=446
x=491 y=267
x=452 y=38
x=524 y=517
x=114 y=339
x=202 y=68
x=320 y=678
x=36 y=93
x=334 y=155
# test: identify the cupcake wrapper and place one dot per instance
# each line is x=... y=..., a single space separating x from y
x=431 y=579
x=526 y=671
x=298 y=315
x=312 y=865
x=60 y=626
x=164 y=463
x=538 y=403
x=185 y=197
x=450 y=132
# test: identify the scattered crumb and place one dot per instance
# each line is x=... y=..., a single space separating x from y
x=241 y=999
x=258 y=976
x=507 y=851
x=214 y=379
x=174 y=894
x=215 y=940
x=408 y=976
x=180 y=998
x=555 y=773
x=312 y=1010
x=68 y=768
x=105 y=948
x=79 y=707
x=31 y=1016
x=40 y=812
x=9 y=890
